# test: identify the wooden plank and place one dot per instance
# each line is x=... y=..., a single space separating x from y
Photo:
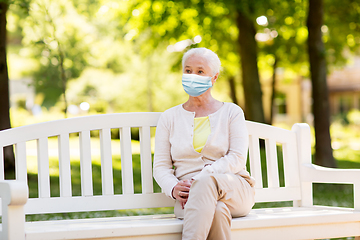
x=272 y=163
x=290 y=161
x=356 y=190
x=72 y=125
x=146 y=160
x=106 y=162
x=268 y=132
x=20 y=162
x=126 y=161
x=264 y=224
x=43 y=167
x=255 y=161
x=64 y=165
x=149 y=227
x=85 y=164
x=78 y=124
x=277 y=194
x=97 y=203
x=2 y=172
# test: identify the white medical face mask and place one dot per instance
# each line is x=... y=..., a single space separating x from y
x=195 y=85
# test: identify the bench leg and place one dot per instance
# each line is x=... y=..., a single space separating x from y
x=357 y=238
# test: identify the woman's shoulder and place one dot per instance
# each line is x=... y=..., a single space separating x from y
x=173 y=110
x=171 y=113
x=232 y=107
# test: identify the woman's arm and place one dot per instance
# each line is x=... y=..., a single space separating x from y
x=163 y=166
x=235 y=159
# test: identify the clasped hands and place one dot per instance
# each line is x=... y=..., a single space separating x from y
x=181 y=191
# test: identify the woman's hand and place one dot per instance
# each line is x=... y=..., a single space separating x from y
x=181 y=191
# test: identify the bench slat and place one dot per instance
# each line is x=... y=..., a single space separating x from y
x=20 y=161
x=255 y=162
x=78 y=124
x=106 y=162
x=277 y=194
x=85 y=164
x=64 y=165
x=97 y=203
x=146 y=161
x=2 y=172
x=272 y=163
x=43 y=167
x=126 y=161
x=291 y=173
x=265 y=131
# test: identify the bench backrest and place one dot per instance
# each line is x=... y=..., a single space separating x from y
x=274 y=137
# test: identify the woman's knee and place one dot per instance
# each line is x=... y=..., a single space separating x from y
x=204 y=182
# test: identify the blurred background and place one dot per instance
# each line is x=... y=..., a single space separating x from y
x=282 y=61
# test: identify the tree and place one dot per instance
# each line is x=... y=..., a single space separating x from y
x=250 y=73
x=321 y=108
x=9 y=159
x=59 y=40
x=341 y=30
x=282 y=39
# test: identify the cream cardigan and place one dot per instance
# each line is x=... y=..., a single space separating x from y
x=225 y=150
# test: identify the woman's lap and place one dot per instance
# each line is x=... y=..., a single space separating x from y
x=231 y=189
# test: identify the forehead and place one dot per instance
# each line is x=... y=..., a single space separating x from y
x=196 y=61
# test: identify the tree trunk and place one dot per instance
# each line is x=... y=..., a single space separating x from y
x=63 y=77
x=231 y=81
x=321 y=109
x=273 y=91
x=149 y=88
x=250 y=73
x=9 y=162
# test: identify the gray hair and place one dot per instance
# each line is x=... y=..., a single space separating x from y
x=212 y=58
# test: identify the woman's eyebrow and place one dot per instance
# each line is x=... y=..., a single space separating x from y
x=200 y=67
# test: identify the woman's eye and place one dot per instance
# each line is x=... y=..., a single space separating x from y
x=201 y=72
x=187 y=71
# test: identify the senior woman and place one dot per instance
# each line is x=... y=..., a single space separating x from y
x=200 y=154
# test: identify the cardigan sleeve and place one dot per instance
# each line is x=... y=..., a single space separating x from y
x=234 y=160
x=163 y=165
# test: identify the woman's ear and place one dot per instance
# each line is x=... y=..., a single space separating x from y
x=213 y=80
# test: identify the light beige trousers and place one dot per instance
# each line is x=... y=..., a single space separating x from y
x=213 y=200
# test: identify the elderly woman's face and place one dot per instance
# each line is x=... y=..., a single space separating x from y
x=197 y=65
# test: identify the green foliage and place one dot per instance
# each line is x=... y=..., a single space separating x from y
x=130 y=38
x=284 y=37
x=341 y=30
x=154 y=23
x=55 y=37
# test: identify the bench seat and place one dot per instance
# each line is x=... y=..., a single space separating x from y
x=269 y=223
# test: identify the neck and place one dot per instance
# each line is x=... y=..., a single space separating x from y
x=200 y=101
x=202 y=105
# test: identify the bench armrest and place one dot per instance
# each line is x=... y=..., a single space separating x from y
x=314 y=173
x=14 y=195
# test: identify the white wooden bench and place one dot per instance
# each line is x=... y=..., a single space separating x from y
x=302 y=221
